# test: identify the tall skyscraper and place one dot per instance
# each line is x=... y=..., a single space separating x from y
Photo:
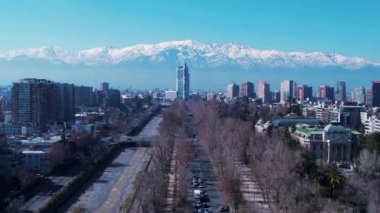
x=35 y=101
x=104 y=86
x=264 y=91
x=246 y=89
x=340 y=91
x=286 y=90
x=375 y=93
x=326 y=92
x=304 y=92
x=183 y=82
x=358 y=95
x=232 y=91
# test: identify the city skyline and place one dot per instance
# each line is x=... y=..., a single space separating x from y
x=189 y=106
x=137 y=44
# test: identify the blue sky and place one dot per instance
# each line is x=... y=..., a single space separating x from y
x=349 y=27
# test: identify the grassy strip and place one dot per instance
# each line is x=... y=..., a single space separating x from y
x=127 y=204
x=67 y=191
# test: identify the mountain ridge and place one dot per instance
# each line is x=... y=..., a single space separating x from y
x=198 y=53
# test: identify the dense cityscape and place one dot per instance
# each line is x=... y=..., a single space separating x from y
x=58 y=139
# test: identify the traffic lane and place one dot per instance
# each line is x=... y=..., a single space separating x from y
x=201 y=167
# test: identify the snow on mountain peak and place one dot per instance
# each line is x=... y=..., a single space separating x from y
x=197 y=53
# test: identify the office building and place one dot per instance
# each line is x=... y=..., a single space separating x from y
x=232 y=91
x=183 y=82
x=341 y=91
x=375 y=93
x=264 y=91
x=246 y=90
x=35 y=101
x=368 y=97
x=286 y=90
x=358 y=95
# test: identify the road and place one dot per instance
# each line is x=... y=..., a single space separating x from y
x=45 y=190
x=201 y=167
x=107 y=192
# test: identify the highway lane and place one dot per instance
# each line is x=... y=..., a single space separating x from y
x=201 y=167
x=107 y=192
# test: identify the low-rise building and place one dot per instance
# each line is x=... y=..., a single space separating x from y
x=333 y=143
x=34 y=160
x=170 y=95
x=371 y=122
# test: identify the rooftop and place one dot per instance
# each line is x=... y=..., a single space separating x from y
x=33 y=152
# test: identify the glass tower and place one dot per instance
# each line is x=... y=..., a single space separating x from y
x=183 y=82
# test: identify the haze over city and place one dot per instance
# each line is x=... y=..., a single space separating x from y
x=224 y=42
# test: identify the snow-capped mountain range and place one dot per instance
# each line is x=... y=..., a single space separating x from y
x=196 y=53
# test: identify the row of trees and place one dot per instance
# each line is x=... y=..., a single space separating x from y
x=222 y=146
x=286 y=173
x=172 y=135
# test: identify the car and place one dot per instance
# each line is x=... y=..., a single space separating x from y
x=224 y=209
x=197 y=204
x=204 y=198
x=204 y=210
x=205 y=205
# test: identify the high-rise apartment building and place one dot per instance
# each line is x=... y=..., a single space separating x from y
x=375 y=93
x=304 y=92
x=66 y=97
x=232 y=91
x=246 y=90
x=326 y=92
x=83 y=96
x=340 y=91
x=35 y=101
x=104 y=86
x=183 y=82
x=286 y=90
x=263 y=91
x=358 y=95
x=276 y=96
x=113 y=98
x=368 y=97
